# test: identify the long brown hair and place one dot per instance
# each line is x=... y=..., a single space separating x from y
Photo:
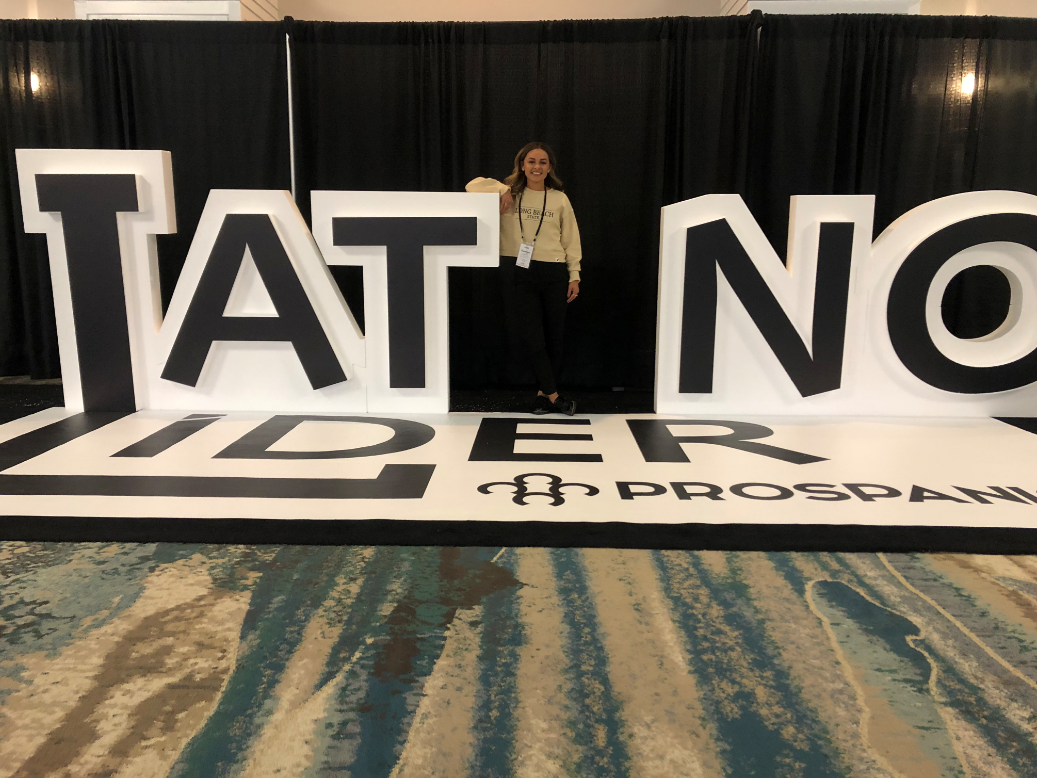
x=517 y=179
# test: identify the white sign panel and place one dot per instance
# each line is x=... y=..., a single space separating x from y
x=847 y=328
x=256 y=321
x=351 y=228
x=641 y=469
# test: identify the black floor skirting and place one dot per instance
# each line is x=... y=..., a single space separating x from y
x=391 y=532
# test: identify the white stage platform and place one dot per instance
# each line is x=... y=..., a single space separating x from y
x=492 y=471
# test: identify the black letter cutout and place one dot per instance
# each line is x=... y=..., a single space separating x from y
x=405 y=239
x=495 y=441
x=255 y=445
x=905 y=311
x=394 y=481
x=626 y=493
x=296 y=321
x=680 y=489
x=715 y=244
x=169 y=436
x=821 y=492
x=88 y=204
x=659 y=445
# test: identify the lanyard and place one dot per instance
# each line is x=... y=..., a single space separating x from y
x=542 y=212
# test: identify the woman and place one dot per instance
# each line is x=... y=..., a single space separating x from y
x=540 y=264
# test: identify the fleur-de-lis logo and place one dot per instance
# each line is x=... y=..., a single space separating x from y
x=554 y=491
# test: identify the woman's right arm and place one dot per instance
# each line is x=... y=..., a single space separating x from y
x=492 y=185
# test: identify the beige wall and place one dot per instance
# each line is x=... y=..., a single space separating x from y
x=493 y=10
x=981 y=7
x=37 y=9
x=503 y=10
x=498 y=10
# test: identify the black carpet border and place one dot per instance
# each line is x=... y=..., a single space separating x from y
x=618 y=535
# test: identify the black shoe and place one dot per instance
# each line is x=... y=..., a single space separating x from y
x=542 y=405
x=564 y=405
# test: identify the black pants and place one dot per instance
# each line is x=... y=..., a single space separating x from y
x=535 y=314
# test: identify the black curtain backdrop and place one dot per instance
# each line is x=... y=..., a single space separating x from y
x=872 y=104
x=641 y=113
x=215 y=95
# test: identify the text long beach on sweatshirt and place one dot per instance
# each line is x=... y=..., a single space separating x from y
x=559 y=239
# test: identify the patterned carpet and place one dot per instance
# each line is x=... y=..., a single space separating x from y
x=155 y=660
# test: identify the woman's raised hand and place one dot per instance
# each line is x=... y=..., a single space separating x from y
x=505 y=201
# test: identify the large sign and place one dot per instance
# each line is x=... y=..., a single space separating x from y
x=256 y=321
x=643 y=469
x=847 y=327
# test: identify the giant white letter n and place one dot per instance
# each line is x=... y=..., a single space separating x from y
x=741 y=332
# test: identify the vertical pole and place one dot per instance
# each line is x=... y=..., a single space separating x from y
x=291 y=116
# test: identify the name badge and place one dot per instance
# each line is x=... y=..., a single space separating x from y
x=525 y=255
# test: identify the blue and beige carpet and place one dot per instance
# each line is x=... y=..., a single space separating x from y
x=162 y=659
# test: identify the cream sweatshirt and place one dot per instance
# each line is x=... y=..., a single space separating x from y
x=559 y=239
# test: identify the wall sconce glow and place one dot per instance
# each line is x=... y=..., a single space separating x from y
x=968 y=83
x=34 y=82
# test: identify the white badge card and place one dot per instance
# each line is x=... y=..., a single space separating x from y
x=525 y=255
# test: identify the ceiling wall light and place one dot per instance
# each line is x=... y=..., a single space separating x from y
x=34 y=82
x=968 y=83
